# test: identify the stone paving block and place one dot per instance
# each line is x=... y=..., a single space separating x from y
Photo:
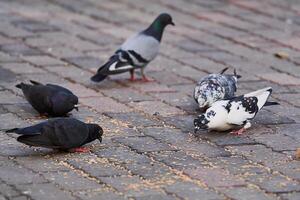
x=178 y=160
x=268 y=118
x=245 y=193
x=277 y=142
x=8 y=190
x=71 y=180
x=127 y=96
x=81 y=91
x=96 y=195
x=183 y=122
x=10 y=120
x=97 y=167
x=19 y=49
x=22 y=68
x=290 y=169
x=131 y=186
x=291 y=196
x=43 y=60
x=280 y=78
x=169 y=78
x=153 y=170
x=22 y=197
x=215 y=177
x=144 y=144
x=156 y=107
x=16 y=174
x=72 y=73
x=59 y=51
x=45 y=191
x=41 y=164
x=169 y=135
x=275 y=183
x=6 y=75
x=151 y=87
x=179 y=100
x=34 y=26
x=260 y=154
x=104 y=104
x=122 y=155
x=24 y=110
x=85 y=62
x=134 y=119
x=188 y=190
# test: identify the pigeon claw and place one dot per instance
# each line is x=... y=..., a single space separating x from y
x=145 y=79
x=238 y=132
x=80 y=150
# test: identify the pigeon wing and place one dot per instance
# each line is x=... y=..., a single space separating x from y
x=142 y=48
x=70 y=133
x=59 y=88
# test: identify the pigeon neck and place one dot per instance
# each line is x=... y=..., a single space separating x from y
x=155 y=30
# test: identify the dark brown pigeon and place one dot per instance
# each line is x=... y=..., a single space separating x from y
x=59 y=133
x=49 y=99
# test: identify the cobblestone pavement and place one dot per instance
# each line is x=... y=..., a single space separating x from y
x=148 y=151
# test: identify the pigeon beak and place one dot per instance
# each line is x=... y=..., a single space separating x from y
x=100 y=139
x=76 y=107
x=172 y=23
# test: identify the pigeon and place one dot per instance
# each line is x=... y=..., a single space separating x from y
x=234 y=112
x=136 y=52
x=66 y=134
x=215 y=87
x=49 y=99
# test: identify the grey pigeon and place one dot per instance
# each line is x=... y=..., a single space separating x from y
x=215 y=87
x=49 y=99
x=59 y=133
x=136 y=52
x=235 y=112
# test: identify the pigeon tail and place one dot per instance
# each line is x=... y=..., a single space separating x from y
x=98 y=77
x=271 y=103
x=11 y=130
x=35 y=82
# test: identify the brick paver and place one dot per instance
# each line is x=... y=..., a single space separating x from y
x=148 y=149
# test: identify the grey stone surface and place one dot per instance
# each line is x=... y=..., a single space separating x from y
x=149 y=150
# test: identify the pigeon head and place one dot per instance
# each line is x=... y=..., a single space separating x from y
x=95 y=132
x=200 y=122
x=202 y=102
x=158 y=25
x=163 y=20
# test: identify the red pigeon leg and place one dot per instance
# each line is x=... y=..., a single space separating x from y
x=80 y=150
x=238 y=132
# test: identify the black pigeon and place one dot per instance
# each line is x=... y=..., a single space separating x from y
x=136 y=52
x=49 y=99
x=59 y=133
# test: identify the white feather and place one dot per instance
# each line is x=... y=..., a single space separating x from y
x=237 y=115
x=112 y=67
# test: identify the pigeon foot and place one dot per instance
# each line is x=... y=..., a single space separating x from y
x=80 y=150
x=145 y=79
x=238 y=132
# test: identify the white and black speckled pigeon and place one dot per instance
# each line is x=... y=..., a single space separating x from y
x=232 y=113
x=215 y=87
x=49 y=99
x=59 y=133
x=136 y=52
